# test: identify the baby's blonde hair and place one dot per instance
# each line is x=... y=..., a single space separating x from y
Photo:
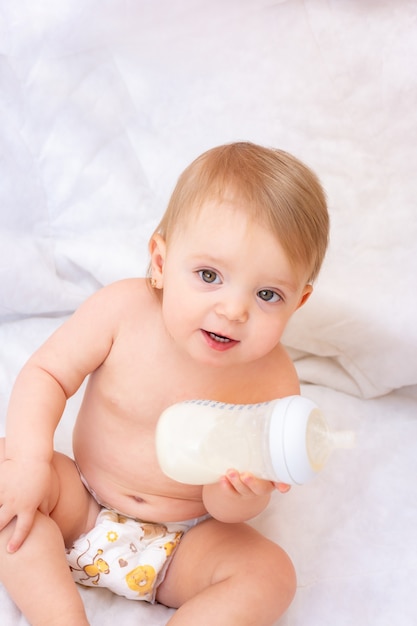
x=276 y=189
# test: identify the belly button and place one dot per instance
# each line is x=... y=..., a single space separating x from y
x=138 y=499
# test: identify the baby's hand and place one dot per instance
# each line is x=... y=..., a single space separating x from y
x=247 y=484
x=24 y=488
x=238 y=496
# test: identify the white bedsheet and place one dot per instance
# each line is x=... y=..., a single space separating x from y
x=102 y=104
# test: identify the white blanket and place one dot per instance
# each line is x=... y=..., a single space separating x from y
x=102 y=104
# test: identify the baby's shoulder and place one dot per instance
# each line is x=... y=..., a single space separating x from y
x=127 y=289
x=123 y=298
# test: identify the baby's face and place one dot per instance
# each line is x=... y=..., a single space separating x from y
x=228 y=287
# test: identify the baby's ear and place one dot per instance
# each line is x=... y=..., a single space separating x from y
x=307 y=291
x=157 y=251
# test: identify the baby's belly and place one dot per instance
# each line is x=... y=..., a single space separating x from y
x=123 y=473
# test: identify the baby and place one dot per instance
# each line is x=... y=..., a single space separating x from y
x=234 y=256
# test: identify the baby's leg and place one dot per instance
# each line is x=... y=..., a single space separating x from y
x=227 y=574
x=37 y=575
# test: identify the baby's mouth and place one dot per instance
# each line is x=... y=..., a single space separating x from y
x=221 y=343
x=219 y=338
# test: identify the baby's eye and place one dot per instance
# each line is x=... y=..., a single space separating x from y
x=209 y=276
x=267 y=295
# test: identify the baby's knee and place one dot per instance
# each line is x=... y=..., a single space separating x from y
x=283 y=572
x=276 y=581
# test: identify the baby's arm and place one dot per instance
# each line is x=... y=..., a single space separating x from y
x=36 y=403
x=49 y=378
x=238 y=497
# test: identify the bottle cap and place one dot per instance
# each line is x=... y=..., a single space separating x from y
x=288 y=440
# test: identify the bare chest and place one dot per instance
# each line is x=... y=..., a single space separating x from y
x=114 y=437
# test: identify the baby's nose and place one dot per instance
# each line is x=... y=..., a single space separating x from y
x=234 y=308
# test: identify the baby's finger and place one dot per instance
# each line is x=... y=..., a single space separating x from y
x=5 y=517
x=24 y=523
x=257 y=486
x=235 y=483
x=282 y=487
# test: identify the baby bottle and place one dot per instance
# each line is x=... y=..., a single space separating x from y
x=286 y=440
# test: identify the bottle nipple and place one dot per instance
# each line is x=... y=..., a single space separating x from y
x=343 y=439
x=321 y=441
